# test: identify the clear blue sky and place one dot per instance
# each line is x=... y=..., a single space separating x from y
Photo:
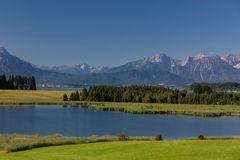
x=112 y=32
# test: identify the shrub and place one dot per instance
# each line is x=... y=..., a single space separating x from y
x=65 y=97
x=201 y=137
x=123 y=137
x=158 y=138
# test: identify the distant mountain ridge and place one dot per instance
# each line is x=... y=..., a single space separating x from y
x=79 y=69
x=200 y=68
x=154 y=69
x=12 y=65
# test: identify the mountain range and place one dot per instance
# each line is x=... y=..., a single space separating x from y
x=156 y=69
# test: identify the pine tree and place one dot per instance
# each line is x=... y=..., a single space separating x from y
x=3 y=82
x=77 y=96
x=84 y=94
x=65 y=97
x=73 y=97
x=32 y=83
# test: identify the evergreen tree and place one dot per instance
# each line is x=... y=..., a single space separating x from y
x=77 y=96
x=153 y=94
x=17 y=82
x=84 y=94
x=32 y=85
x=72 y=97
x=65 y=97
x=3 y=82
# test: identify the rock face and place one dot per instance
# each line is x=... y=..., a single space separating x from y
x=207 y=69
x=155 y=69
x=231 y=59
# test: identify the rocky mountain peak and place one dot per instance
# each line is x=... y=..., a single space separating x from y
x=187 y=61
x=199 y=56
x=231 y=59
x=157 y=58
x=152 y=69
x=3 y=51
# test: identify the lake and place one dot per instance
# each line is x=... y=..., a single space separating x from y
x=79 y=121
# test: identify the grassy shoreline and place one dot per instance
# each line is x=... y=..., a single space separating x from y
x=15 y=142
x=41 y=97
x=143 y=108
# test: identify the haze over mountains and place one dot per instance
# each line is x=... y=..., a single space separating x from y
x=155 y=69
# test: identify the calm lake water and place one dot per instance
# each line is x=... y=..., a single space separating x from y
x=78 y=121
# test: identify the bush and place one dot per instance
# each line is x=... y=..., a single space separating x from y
x=201 y=137
x=123 y=137
x=158 y=138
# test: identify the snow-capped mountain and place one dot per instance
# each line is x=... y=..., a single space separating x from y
x=158 y=62
x=237 y=66
x=80 y=69
x=200 y=68
x=207 y=69
x=231 y=59
x=155 y=69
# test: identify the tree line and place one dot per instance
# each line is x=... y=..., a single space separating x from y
x=17 y=82
x=156 y=94
x=220 y=87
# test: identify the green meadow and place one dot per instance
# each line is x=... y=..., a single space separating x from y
x=137 y=150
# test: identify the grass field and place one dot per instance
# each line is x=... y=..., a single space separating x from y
x=135 y=150
x=20 y=97
x=27 y=96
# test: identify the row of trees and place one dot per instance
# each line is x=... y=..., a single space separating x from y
x=17 y=82
x=75 y=96
x=219 y=87
x=157 y=94
x=201 y=88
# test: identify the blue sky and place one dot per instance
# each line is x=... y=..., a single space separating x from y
x=113 y=32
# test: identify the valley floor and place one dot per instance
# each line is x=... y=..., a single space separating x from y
x=221 y=149
x=138 y=150
x=41 y=97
